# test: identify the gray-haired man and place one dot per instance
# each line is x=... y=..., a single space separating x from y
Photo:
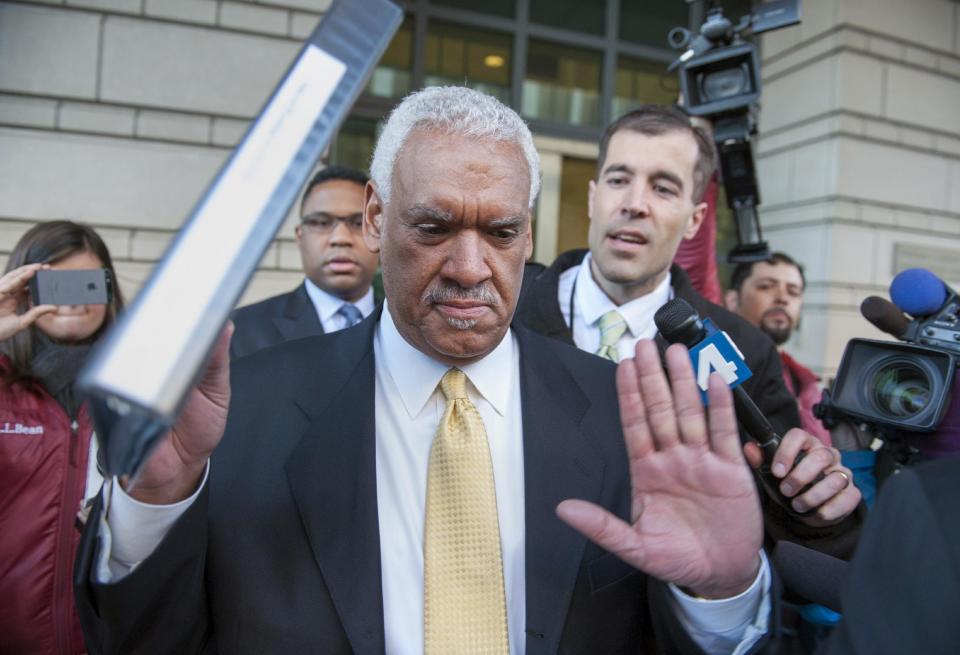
x=439 y=522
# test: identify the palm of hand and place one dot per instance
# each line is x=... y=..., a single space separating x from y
x=694 y=516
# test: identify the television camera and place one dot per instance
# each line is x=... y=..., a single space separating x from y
x=720 y=80
x=900 y=390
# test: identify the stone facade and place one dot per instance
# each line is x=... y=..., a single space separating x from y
x=119 y=113
x=859 y=156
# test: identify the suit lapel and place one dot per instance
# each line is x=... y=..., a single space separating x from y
x=332 y=476
x=559 y=463
x=299 y=318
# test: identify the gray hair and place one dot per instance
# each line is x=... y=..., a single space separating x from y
x=453 y=110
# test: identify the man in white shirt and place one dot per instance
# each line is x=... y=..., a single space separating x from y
x=339 y=269
x=652 y=172
x=315 y=525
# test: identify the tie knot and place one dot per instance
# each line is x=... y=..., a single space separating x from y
x=612 y=326
x=351 y=313
x=454 y=384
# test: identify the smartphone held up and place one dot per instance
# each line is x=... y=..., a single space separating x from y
x=71 y=287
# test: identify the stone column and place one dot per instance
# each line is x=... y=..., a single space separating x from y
x=859 y=156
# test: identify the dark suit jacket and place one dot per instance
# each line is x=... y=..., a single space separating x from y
x=903 y=591
x=540 y=311
x=275 y=320
x=272 y=321
x=281 y=552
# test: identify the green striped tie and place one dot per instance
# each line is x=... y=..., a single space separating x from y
x=612 y=326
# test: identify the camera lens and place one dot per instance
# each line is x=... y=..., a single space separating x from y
x=726 y=83
x=900 y=388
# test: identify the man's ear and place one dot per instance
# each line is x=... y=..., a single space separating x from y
x=731 y=300
x=696 y=220
x=373 y=208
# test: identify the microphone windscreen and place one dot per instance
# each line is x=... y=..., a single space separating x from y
x=884 y=315
x=810 y=574
x=918 y=292
x=679 y=322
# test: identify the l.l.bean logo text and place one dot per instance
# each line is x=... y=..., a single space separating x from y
x=20 y=428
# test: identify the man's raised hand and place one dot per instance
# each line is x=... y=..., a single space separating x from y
x=695 y=517
x=175 y=468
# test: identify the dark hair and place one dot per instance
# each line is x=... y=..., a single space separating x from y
x=743 y=270
x=656 y=120
x=334 y=173
x=48 y=243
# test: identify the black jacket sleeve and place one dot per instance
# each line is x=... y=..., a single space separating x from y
x=160 y=607
x=903 y=590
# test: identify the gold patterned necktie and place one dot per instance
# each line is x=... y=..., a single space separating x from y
x=612 y=326
x=464 y=606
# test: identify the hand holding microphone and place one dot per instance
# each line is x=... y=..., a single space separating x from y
x=795 y=469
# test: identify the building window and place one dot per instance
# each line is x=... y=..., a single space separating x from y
x=504 y=8
x=574 y=222
x=574 y=15
x=392 y=76
x=639 y=82
x=354 y=143
x=562 y=84
x=648 y=22
x=480 y=59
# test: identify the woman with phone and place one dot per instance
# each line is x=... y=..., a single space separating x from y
x=47 y=451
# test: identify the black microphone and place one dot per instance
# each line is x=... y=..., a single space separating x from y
x=678 y=322
x=812 y=575
x=885 y=316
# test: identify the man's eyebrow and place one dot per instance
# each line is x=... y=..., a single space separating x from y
x=617 y=168
x=515 y=220
x=773 y=280
x=424 y=213
x=322 y=214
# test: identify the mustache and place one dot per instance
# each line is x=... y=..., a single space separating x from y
x=446 y=291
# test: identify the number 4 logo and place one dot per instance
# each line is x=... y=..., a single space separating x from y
x=718 y=353
x=710 y=359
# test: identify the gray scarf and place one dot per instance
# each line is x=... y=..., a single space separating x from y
x=56 y=365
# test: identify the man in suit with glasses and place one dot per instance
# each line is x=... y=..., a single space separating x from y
x=337 y=291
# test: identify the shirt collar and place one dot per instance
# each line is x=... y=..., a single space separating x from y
x=417 y=375
x=638 y=313
x=327 y=304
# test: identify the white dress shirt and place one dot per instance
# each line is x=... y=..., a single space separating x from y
x=590 y=303
x=408 y=408
x=327 y=306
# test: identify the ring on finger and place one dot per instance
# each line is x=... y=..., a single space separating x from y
x=846 y=477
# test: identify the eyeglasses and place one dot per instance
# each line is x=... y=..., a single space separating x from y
x=324 y=223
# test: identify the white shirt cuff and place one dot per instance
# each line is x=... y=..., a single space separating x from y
x=130 y=530
x=729 y=625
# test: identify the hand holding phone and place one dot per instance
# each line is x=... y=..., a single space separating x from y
x=13 y=286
